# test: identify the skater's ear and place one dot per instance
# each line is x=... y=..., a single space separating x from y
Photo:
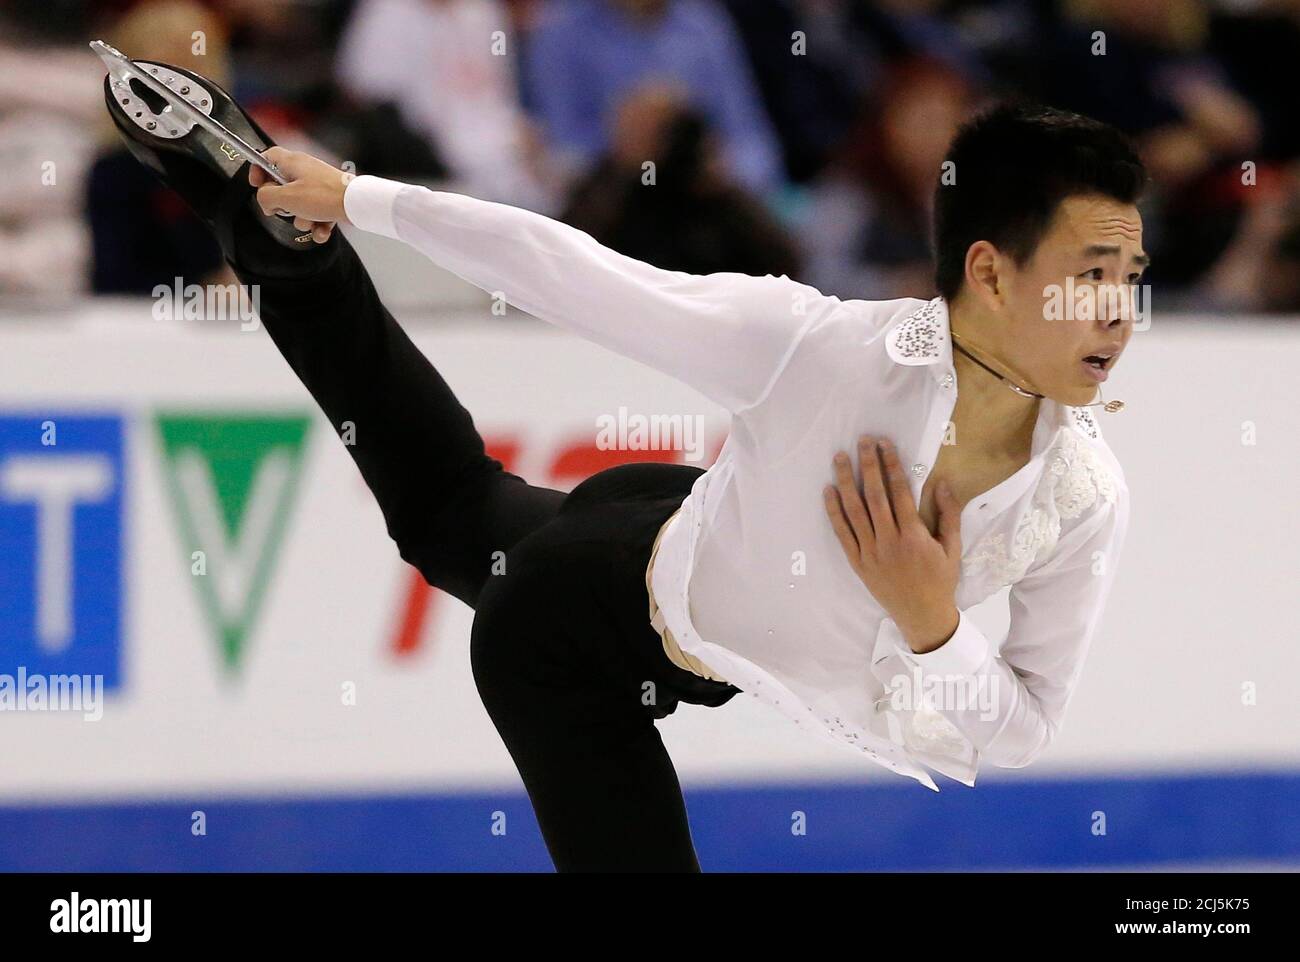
x=985 y=270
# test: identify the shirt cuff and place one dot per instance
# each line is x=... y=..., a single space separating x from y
x=963 y=654
x=368 y=201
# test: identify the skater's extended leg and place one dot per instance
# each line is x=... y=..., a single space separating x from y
x=448 y=506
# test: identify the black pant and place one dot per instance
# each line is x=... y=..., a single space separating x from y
x=563 y=653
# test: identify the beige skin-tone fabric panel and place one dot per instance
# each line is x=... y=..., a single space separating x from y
x=678 y=657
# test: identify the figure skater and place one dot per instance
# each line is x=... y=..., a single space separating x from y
x=890 y=464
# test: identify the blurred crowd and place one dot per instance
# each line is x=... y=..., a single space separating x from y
x=799 y=137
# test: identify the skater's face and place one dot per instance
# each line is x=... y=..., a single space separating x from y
x=1075 y=296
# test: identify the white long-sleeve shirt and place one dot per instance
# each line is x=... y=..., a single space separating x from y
x=749 y=577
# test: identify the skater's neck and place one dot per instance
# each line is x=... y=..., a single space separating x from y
x=988 y=413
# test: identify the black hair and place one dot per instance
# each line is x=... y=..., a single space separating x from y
x=1008 y=170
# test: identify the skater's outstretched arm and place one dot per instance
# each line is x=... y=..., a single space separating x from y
x=725 y=334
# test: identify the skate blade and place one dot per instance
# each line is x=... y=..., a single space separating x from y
x=139 y=87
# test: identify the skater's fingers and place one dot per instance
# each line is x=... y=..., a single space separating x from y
x=293 y=164
x=840 y=523
x=873 y=488
x=321 y=233
x=278 y=156
x=303 y=223
x=314 y=192
x=900 y=494
x=851 y=497
x=273 y=200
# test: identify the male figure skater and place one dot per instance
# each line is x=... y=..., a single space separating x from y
x=835 y=596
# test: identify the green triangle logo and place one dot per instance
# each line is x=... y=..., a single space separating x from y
x=232 y=479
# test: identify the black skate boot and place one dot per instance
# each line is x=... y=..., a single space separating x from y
x=209 y=171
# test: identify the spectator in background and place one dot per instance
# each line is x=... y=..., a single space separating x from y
x=866 y=229
x=135 y=251
x=278 y=49
x=586 y=56
x=1259 y=47
x=1154 y=80
x=1000 y=38
x=448 y=66
x=905 y=29
x=684 y=212
x=373 y=135
x=282 y=49
x=810 y=80
x=49 y=104
x=144 y=234
x=1260 y=270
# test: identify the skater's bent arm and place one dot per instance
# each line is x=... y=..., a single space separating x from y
x=725 y=334
x=1022 y=691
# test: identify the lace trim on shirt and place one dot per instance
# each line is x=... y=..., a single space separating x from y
x=1076 y=480
x=929 y=730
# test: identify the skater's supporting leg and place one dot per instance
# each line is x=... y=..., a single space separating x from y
x=565 y=662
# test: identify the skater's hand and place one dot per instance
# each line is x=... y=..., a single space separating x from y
x=909 y=571
x=314 y=194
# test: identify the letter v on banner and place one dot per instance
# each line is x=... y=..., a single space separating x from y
x=232 y=480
